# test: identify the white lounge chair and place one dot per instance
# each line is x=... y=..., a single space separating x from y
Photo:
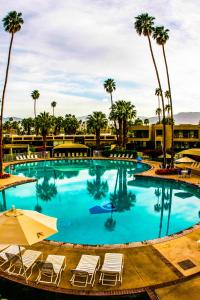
x=28 y=157
x=85 y=271
x=35 y=156
x=10 y=252
x=3 y=246
x=111 y=155
x=123 y=156
x=111 y=270
x=131 y=156
x=127 y=155
x=51 y=270
x=25 y=264
x=31 y=156
x=17 y=158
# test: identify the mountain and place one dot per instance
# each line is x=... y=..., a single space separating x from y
x=180 y=118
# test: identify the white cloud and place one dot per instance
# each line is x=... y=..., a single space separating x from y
x=67 y=49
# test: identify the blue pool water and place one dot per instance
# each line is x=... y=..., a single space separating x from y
x=101 y=202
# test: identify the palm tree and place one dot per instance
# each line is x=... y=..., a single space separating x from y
x=58 y=124
x=122 y=112
x=146 y=121
x=44 y=121
x=35 y=95
x=70 y=124
x=53 y=105
x=12 y=23
x=158 y=93
x=110 y=87
x=27 y=124
x=144 y=25
x=161 y=35
x=138 y=121
x=168 y=109
x=96 y=122
x=158 y=113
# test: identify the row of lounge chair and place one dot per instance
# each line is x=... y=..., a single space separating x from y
x=64 y=155
x=26 y=157
x=21 y=262
x=122 y=155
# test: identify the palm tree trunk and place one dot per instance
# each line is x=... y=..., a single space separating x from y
x=2 y=105
x=35 y=107
x=162 y=99
x=115 y=123
x=124 y=132
x=53 y=111
x=120 y=132
x=44 y=142
x=97 y=138
x=172 y=114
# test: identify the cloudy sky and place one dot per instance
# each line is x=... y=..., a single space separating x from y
x=67 y=48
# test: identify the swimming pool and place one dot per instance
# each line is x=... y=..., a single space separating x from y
x=101 y=202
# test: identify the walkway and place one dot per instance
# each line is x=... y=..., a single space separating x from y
x=152 y=266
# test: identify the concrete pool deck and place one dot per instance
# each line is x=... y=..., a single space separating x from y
x=151 y=267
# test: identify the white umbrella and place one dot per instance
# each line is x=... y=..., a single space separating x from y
x=25 y=227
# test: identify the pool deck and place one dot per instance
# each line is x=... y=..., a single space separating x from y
x=152 y=267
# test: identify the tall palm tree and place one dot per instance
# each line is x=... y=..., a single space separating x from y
x=44 y=121
x=110 y=87
x=161 y=35
x=158 y=113
x=12 y=24
x=96 y=122
x=53 y=105
x=35 y=95
x=144 y=25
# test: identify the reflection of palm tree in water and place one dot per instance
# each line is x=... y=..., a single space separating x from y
x=45 y=190
x=122 y=199
x=166 y=202
x=97 y=188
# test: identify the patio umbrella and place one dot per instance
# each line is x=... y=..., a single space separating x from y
x=25 y=227
x=185 y=159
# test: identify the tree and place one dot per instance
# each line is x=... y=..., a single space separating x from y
x=138 y=121
x=44 y=121
x=110 y=87
x=96 y=122
x=27 y=124
x=70 y=124
x=53 y=105
x=161 y=35
x=122 y=112
x=158 y=113
x=168 y=109
x=146 y=121
x=158 y=93
x=144 y=25
x=35 y=95
x=58 y=124
x=12 y=24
